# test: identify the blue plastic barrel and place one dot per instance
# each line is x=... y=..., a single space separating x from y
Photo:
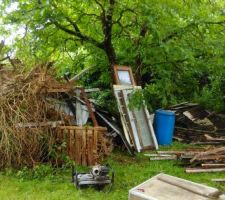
x=164 y=126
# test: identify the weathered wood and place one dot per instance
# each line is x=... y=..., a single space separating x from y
x=89 y=106
x=165 y=187
x=197 y=189
x=202 y=170
x=213 y=165
x=208 y=137
x=171 y=157
x=85 y=145
x=52 y=124
x=210 y=154
x=220 y=180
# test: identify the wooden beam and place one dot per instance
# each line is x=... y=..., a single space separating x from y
x=202 y=170
x=213 y=165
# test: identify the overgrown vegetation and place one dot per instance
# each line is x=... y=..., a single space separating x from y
x=23 y=106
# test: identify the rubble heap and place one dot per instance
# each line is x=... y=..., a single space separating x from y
x=196 y=125
x=30 y=120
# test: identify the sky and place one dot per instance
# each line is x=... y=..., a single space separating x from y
x=12 y=30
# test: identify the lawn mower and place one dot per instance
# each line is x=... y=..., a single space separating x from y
x=98 y=177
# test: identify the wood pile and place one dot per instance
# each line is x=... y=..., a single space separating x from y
x=196 y=160
x=195 y=125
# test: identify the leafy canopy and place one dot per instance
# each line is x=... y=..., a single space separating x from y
x=176 y=48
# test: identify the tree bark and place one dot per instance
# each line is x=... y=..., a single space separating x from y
x=107 y=25
x=138 y=60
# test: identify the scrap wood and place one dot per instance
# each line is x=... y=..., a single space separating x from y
x=52 y=124
x=220 y=180
x=196 y=125
x=206 y=143
x=210 y=154
x=201 y=170
x=208 y=137
x=213 y=165
x=155 y=155
x=171 y=157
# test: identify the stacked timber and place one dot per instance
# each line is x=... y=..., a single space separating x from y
x=195 y=160
x=196 y=125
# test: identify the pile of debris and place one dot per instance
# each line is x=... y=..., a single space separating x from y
x=196 y=125
x=41 y=119
x=196 y=160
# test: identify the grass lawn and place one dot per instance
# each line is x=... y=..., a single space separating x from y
x=129 y=173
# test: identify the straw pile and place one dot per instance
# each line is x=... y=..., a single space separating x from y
x=22 y=100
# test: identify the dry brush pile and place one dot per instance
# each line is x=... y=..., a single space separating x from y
x=22 y=100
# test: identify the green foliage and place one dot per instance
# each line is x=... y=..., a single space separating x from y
x=39 y=172
x=175 y=48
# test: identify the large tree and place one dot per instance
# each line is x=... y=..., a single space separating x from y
x=175 y=48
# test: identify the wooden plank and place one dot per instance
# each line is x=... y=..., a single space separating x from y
x=77 y=150
x=72 y=145
x=53 y=124
x=202 y=170
x=220 y=180
x=70 y=127
x=208 y=137
x=209 y=153
x=213 y=165
x=58 y=90
x=197 y=189
x=69 y=144
x=172 y=157
x=89 y=106
x=84 y=155
x=73 y=142
x=95 y=146
x=89 y=146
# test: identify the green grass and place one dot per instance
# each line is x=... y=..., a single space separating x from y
x=129 y=173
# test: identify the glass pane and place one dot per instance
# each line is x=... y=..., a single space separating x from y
x=124 y=78
x=143 y=127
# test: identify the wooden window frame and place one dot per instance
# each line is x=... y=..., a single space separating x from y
x=117 y=68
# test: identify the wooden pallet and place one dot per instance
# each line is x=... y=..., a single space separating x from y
x=85 y=145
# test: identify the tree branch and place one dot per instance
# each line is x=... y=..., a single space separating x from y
x=102 y=8
x=76 y=32
x=5 y=58
x=122 y=13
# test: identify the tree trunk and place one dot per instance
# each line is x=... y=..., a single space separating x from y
x=138 y=60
